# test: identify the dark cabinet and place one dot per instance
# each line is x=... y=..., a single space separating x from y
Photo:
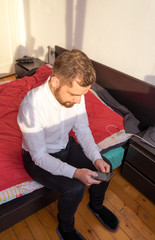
x=139 y=167
x=23 y=68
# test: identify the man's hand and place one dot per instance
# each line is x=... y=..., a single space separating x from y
x=84 y=175
x=101 y=165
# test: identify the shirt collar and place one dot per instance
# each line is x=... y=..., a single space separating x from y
x=51 y=97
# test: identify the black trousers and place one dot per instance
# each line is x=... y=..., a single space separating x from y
x=71 y=190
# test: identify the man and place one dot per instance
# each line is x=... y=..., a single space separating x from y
x=46 y=116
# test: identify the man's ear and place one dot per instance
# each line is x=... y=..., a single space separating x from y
x=55 y=82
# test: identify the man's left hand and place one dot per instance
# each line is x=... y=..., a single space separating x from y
x=101 y=165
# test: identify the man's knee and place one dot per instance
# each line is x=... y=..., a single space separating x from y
x=76 y=190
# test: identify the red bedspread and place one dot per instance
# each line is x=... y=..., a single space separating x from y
x=12 y=171
x=101 y=116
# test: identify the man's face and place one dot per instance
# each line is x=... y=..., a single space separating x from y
x=68 y=96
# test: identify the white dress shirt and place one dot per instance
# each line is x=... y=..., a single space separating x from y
x=45 y=125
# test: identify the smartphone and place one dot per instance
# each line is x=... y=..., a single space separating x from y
x=103 y=176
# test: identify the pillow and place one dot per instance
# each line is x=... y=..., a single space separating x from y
x=115 y=156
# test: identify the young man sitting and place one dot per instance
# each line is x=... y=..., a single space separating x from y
x=46 y=116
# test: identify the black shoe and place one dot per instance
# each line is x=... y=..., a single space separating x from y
x=73 y=235
x=106 y=217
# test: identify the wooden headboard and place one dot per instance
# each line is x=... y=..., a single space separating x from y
x=138 y=96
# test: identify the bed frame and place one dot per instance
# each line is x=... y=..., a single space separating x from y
x=136 y=95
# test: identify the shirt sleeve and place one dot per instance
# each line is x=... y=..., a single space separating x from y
x=34 y=142
x=84 y=135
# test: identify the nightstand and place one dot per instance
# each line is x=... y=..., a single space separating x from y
x=22 y=68
x=139 y=167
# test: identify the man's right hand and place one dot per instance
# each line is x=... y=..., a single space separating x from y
x=84 y=175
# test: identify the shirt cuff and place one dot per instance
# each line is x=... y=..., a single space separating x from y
x=96 y=156
x=68 y=170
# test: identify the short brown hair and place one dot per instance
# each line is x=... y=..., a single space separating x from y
x=72 y=64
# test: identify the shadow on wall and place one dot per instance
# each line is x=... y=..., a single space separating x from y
x=30 y=40
x=75 y=19
x=150 y=79
x=74 y=32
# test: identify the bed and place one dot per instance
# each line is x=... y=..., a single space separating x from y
x=108 y=100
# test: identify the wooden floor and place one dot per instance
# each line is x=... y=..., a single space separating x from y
x=135 y=212
x=4 y=79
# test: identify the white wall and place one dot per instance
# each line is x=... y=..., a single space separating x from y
x=8 y=38
x=117 y=33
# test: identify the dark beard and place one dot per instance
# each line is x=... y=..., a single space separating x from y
x=66 y=104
